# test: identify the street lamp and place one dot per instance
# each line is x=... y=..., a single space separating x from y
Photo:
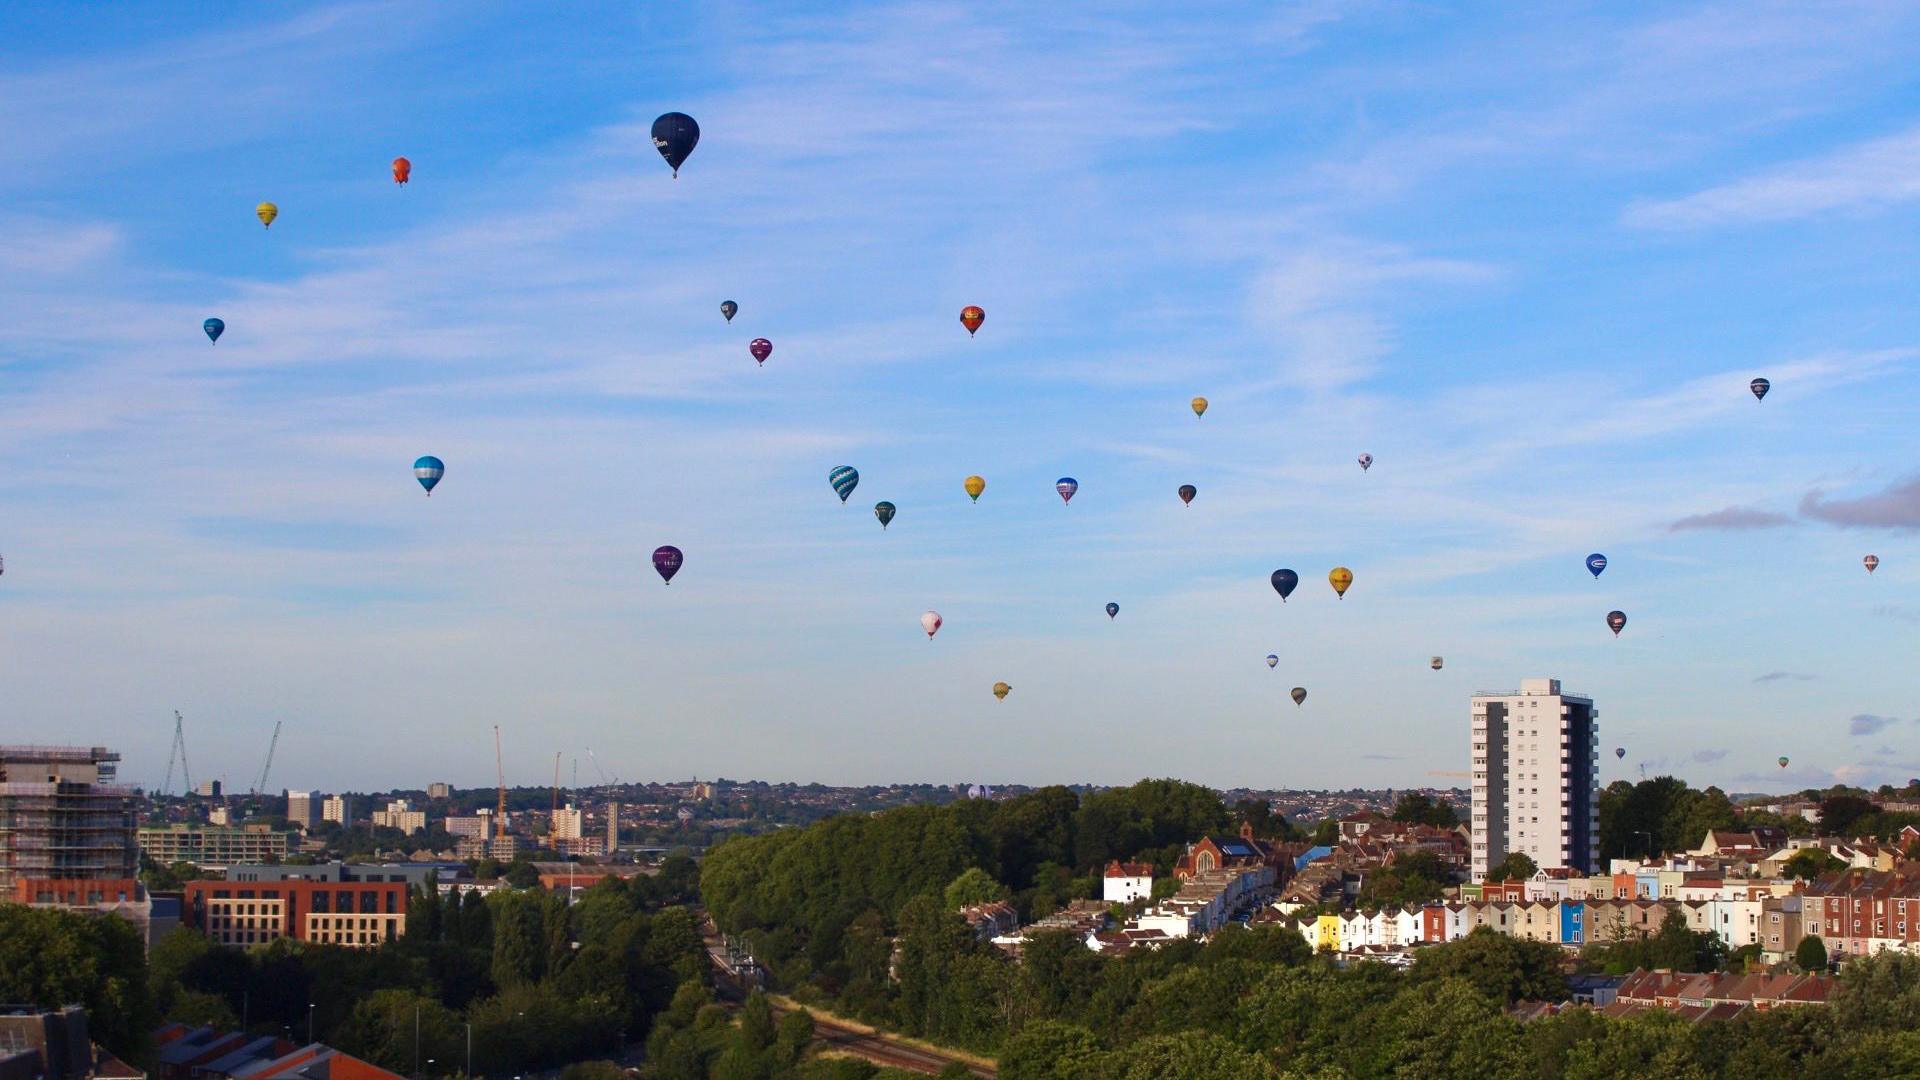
x=309 y=1021
x=469 y=1048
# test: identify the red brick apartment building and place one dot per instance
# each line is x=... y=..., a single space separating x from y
x=355 y=914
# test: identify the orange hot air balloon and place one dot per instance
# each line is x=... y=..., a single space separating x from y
x=401 y=167
x=971 y=317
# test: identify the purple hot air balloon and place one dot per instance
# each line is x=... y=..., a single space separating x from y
x=761 y=348
x=666 y=561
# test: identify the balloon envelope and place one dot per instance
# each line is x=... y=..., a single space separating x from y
x=1066 y=486
x=844 y=479
x=675 y=135
x=1284 y=582
x=971 y=317
x=428 y=470
x=761 y=348
x=1596 y=563
x=884 y=511
x=1871 y=562
x=1617 y=621
x=1366 y=462
x=1187 y=492
x=666 y=562
x=1620 y=751
x=1341 y=579
x=1437 y=663
x=1783 y=762
x=975 y=485
x=1000 y=690
x=1199 y=407
x=1760 y=388
x=1112 y=610
x=266 y=212
x=1272 y=661
x=402 y=169
x=214 y=328
x=729 y=309
x=1299 y=695
x=930 y=622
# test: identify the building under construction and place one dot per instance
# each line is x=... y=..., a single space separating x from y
x=66 y=830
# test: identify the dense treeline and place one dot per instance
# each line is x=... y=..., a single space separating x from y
x=1665 y=815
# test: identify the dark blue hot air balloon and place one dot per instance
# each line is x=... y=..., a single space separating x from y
x=1066 y=486
x=844 y=479
x=1112 y=610
x=214 y=328
x=1596 y=562
x=428 y=470
x=666 y=562
x=675 y=135
x=1284 y=582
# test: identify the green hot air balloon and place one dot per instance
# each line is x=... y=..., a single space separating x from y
x=883 y=511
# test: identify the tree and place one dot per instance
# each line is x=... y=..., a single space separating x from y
x=50 y=958
x=1517 y=866
x=1878 y=992
x=192 y=1007
x=1451 y=1028
x=1050 y=1050
x=1421 y=809
x=1189 y=1055
x=1810 y=863
x=1811 y=954
x=1505 y=969
x=380 y=1029
x=1838 y=813
x=973 y=886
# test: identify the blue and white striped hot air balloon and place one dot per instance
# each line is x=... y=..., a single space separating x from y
x=428 y=470
x=844 y=479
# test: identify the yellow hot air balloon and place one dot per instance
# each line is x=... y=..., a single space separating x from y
x=975 y=485
x=1340 y=578
x=1199 y=407
x=266 y=212
x=1000 y=690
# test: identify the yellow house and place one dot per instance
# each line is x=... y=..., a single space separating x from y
x=1329 y=933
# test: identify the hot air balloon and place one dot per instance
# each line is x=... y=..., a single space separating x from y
x=428 y=470
x=971 y=317
x=1112 y=610
x=1366 y=462
x=1616 y=621
x=402 y=168
x=1783 y=762
x=1436 y=663
x=1299 y=695
x=1760 y=388
x=844 y=479
x=266 y=212
x=1871 y=562
x=1341 y=579
x=883 y=511
x=214 y=328
x=1272 y=661
x=1066 y=486
x=1620 y=752
x=1284 y=582
x=1187 y=492
x=1199 y=407
x=729 y=309
x=761 y=348
x=1000 y=690
x=1596 y=563
x=930 y=622
x=675 y=135
x=975 y=485
x=666 y=562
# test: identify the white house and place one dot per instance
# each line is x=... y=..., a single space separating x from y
x=1127 y=882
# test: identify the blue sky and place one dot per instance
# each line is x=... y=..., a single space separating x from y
x=1529 y=263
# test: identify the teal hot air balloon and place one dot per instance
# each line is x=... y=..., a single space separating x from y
x=884 y=511
x=428 y=470
x=214 y=328
x=844 y=479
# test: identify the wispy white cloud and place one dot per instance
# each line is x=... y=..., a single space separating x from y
x=1871 y=175
x=1733 y=517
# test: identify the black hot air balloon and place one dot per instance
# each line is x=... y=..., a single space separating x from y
x=1760 y=388
x=1284 y=582
x=1616 y=622
x=1187 y=492
x=884 y=511
x=729 y=309
x=675 y=135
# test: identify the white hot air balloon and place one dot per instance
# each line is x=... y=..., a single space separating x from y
x=1871 y=562
x=930 y=622
x=1366 y=462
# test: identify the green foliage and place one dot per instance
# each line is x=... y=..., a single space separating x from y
x=195 y=1007
x=1810 y=954
x=1878 y=992
x=1839 y=814
x=52 y=958
x=973 y=886
x=1810 y=863
x=381 y=1029
x=1411 y=879
x=1504 y=969
x=1422 y=809
x=1517 y=866
x=1673 y=946
x=1051 y=1050
x=1659 y=815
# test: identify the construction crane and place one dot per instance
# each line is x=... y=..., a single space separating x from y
x=554 y=812
x=605 y=780
x=260 y=784
x=500 y=768
x=179 y=751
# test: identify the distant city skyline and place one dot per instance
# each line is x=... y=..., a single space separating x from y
x=1528 y=262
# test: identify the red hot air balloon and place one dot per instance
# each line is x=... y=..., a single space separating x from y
x=1187 y=492
x=761 y=349
x=402 y=168
x=666 y=562
x=1616 y=622
x=971 y=317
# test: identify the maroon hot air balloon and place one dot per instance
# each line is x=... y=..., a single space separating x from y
x=1187 y=492
x=1616 y=622
x=761 y=349
x=666 y=561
